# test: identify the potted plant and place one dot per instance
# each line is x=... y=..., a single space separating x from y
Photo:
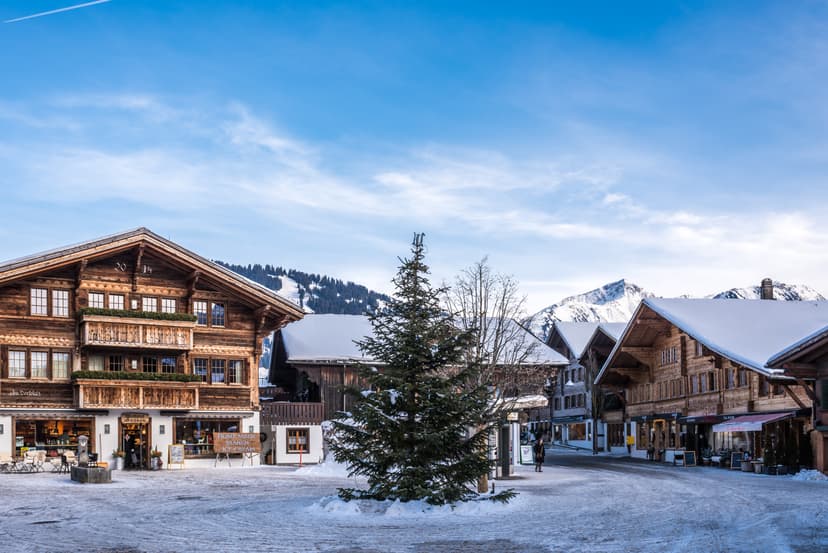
x=117 y=459
x=155 y=460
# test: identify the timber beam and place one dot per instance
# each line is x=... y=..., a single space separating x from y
x=139 y=256
x=793 y=396
x=809 y=391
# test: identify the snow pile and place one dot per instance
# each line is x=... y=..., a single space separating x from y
x=810 y=476
x=333 y=505
x=328 y=468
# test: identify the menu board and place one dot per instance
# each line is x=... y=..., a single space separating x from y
x=236 y=442
x=175 y=455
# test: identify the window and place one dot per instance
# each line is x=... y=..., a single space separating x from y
x=150 y=365
x=694 y=384
x=668 y=356
x=168 y=365
x=743 y=378
x=167 y=305
x=17 y=364
x=40 y=364
x=200 y=311
x=60 y=365
x=149 y=304
x=711 y=381
x=217 y=318
x=217 y=371
x=200 y=368
x=643 y=439
x=95 y=363
x=557 y=403
x=234 y=371
x=96 y=300
x=763 y=387
x=60 y=303
x=39 y=301
x=197 y=434
x=116 y=363
x=699 y=349
x=298 y=440
x=116 y=301
x=615 y=434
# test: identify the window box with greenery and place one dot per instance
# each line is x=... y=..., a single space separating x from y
x=131 y=314
x=122 y=375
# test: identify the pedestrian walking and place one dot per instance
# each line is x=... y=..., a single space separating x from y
x=540 y=455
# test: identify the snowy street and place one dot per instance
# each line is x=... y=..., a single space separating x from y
x=578 y=503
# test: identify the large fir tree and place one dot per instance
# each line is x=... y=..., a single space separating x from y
x=420 y=429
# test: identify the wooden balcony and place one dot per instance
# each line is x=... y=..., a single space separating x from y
x=136 y=394
x=282 y=412
x=126 y=332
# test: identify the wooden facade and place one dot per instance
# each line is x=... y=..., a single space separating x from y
x=131 y=322
x=674 y=387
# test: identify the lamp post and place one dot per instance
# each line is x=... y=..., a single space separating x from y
x=549 y=390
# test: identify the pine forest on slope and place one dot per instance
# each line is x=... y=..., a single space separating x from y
x=314 y=293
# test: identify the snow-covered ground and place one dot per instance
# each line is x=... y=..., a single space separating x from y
x=578 y=503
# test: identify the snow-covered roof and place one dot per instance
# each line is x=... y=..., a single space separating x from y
x=748 y=332
x=796 y=348
x=326 y=338
x=331 y=338
x=576 y=335
x=613 y=330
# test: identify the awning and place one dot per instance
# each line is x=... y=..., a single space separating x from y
x=705 y=419
x=751 y=423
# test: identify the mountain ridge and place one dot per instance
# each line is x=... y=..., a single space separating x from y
x=616 y=301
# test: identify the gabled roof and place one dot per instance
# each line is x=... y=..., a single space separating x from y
x=613 y=330
x=32 y=265
x=575 y=335
x=747 y=332
x=326 y=339
x=815 y=340
x=332 y=339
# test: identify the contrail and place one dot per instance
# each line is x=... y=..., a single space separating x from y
x=66 y=9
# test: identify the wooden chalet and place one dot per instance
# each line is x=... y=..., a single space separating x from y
x=691 y=375
x=133 y=341
x=806 y=361
x=586 y=345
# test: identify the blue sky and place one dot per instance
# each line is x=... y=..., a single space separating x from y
x=680 y=145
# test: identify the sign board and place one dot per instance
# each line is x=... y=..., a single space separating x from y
x=689 y=458
x=736 y=461
x=175 y=455
x=526 y=456
x=679 y=457
x=236 y=442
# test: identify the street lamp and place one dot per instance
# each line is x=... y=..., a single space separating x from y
x=549 y=391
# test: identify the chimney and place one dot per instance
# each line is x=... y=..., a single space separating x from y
x=767 y=289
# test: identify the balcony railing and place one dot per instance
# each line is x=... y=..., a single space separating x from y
x=282 y=412
x=131 y=394
x=102 y=330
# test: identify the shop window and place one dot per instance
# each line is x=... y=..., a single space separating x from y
x=40 y=364
x=52 y=435
x=643 y=439
x=577 y=431
x=615 y=434
x=298 y=440
x=167 y=305
x=116 y=301
x=60 y=365
x=96 y=300
x=197 y=434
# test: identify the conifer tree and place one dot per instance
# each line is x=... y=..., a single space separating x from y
x=419 y=431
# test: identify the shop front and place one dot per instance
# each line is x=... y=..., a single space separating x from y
x=54 y=432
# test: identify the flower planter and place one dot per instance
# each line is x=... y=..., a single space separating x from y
x=758 y=467
x=117 y=463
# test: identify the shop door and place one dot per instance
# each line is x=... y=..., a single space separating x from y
x=660 y=438
x=135 y=442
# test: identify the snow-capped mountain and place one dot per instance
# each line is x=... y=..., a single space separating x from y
x=781 y=291
x=615 y=303
x=611 y=303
